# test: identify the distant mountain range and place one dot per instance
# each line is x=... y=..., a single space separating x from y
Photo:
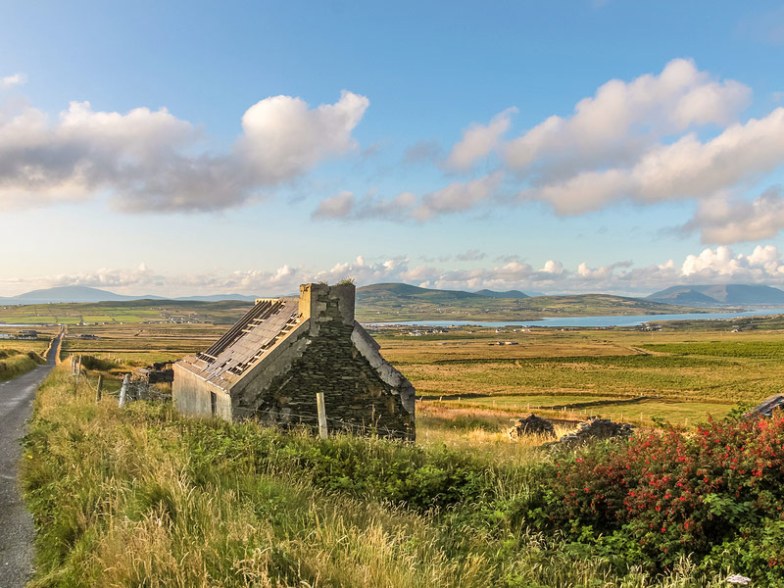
x=86 y=294
x=371 y=293
x=395 y=301
x=721 y=295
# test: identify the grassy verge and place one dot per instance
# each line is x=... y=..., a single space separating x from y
x=15 y=363
x=141 y=497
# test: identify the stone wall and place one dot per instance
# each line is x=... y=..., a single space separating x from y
x=359 y=397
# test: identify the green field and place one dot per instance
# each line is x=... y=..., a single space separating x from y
x=139 y=345
x=678 y=375
x=625 y=374
x=18 y=356
x=141 y=311
x=120 y=496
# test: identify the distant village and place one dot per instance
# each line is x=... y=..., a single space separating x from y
x=25 y=335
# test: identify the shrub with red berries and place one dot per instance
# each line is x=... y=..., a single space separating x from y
x=676 y=493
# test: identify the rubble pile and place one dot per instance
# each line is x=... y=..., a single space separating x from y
x=532 y=425
x=595 y=429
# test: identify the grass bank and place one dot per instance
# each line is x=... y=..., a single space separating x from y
x=141 y=497
x=15 y=363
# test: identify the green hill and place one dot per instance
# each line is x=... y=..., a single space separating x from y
x=402 y=302
x=376 y=303
x=507 y=294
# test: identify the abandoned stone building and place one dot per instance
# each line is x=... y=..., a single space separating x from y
x=270 y=365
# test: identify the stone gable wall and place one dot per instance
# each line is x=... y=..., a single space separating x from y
x=357 y=399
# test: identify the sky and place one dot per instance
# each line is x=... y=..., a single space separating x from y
x=180 y=148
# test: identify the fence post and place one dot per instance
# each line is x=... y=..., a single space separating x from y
x=76 y=369
x=322 y=415
x=124 y=389
x=99 y=388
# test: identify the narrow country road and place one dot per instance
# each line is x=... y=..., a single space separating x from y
x=16 y=525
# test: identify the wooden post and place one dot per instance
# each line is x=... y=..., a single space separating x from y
x=99 y=388
x=77 y=368
x=322 y=415
x=124 y=389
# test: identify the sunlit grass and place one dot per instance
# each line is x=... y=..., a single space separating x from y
x=142 y=497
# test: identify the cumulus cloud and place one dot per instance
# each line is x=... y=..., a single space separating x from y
x=762 y=265
x=640 y=141
x=720 y=265
x=726 y=220
x=672 y=135
x=16 y=79
x=687 y=168
x=283 y=137
x=479 y=141
x=145 y=159
x=623 y=120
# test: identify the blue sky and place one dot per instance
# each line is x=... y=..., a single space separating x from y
x=187 y=147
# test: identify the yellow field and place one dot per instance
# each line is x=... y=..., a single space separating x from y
x=679 y=376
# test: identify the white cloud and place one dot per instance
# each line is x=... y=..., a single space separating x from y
x=553 y=267
x=724 y=220
x=11 y=81
x=283 y=137
x=687 y=168
x=145 y=159
x=672 y=135
x=764 y=264
x=479 y=141
x=720 y=265
x=624 y=119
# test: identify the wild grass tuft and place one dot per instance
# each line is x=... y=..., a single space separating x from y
x=142 y=497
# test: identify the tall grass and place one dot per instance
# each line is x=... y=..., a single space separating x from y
x=142 y=497
x=15 y=363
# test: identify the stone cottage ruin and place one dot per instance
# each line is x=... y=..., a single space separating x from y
x=270 y=365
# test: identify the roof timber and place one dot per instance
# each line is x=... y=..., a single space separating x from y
x=246 y=342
